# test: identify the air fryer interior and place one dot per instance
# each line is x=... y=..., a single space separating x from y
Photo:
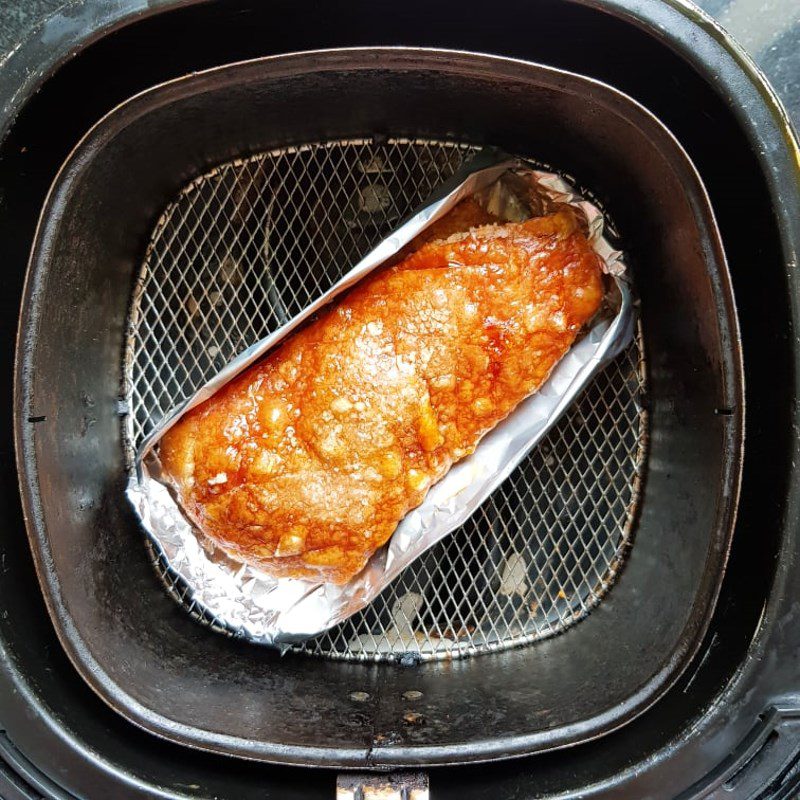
x=69 y=720
x=176 y=678
x=245 y=247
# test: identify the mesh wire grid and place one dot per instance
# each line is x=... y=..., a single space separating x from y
x=245 y=247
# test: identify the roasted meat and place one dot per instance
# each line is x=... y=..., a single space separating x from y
x=306 y=462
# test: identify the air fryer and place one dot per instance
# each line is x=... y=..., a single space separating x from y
x=700 y=713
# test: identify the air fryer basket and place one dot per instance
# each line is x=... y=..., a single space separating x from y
x=158 y=667
x=248 y=245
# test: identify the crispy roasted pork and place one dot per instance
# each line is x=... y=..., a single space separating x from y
x=306 y=462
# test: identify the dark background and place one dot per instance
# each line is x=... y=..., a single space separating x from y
x=768 y=29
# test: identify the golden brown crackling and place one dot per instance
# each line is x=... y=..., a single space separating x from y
x=306 y=462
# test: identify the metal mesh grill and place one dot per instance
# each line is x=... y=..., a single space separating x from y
x=247 y=246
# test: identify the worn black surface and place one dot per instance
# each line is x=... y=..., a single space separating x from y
x=169 y=674
x=768 y=29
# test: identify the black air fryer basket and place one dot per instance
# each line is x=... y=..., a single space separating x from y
x=671 y=674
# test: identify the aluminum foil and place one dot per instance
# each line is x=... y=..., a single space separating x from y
x=283 y=611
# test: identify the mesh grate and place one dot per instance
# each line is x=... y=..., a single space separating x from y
x=249 y=244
